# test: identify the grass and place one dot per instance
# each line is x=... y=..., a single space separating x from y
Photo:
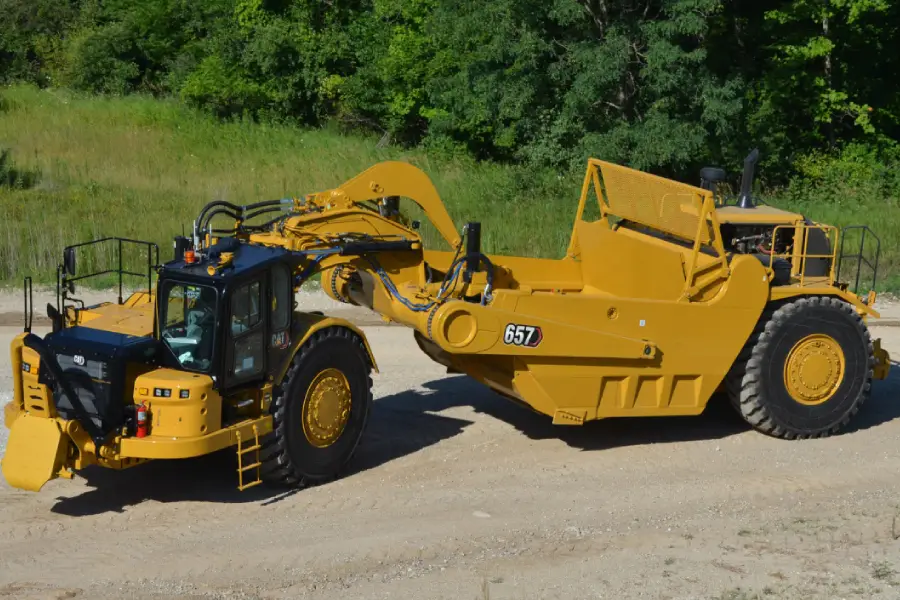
x=76 y=168
x=142 y=168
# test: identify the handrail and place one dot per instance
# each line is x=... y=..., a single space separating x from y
x=860 y=257
x=798 y=255
x=65 y=280
x=29 y=305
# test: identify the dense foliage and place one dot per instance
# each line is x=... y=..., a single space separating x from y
x=663 y=85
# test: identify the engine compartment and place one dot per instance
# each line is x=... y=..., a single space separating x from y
x=753 y=238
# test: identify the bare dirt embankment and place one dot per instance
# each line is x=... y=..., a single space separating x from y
x=457 y=493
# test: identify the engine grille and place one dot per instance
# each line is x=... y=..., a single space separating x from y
x=95 y=369
x=90 y=380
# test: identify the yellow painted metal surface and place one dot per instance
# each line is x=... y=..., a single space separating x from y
x=814 y=369
x=626 y=323
x=882 y=361
x=630 y=324
x=766 y=215
x=35 y=452
x=160 y=447
x=306 y=324
x=177 y=416
x=14 y=407
x=11 y=412
x=256 y=466
x=129 y=318
x=326 y=408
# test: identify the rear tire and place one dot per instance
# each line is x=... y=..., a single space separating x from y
x=806 y=370
x=292 y=455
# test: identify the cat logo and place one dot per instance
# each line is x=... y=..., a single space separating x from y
x=281 y=340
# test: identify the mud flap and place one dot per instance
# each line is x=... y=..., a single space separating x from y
x=35 y=452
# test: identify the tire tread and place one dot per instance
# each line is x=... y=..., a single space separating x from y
x=743 y=383
x=277 y=467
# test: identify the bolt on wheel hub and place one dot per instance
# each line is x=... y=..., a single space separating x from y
x=814 y=369
x=326 y=408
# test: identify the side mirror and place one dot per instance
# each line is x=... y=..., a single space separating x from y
x=69 y=261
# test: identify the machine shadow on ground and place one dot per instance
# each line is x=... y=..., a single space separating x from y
x=884 y=404
x=719 y=420
x=391 y=433
x=405 y=423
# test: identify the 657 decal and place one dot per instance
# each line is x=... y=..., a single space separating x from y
x=522 y=335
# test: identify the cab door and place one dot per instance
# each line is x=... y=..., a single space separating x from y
x=245 y=357
x=281 y=308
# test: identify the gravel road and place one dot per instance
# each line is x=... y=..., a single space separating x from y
x=458 y=493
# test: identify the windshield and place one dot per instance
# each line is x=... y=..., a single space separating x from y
x=188 y=324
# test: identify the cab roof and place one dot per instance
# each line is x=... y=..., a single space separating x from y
x=247 y=257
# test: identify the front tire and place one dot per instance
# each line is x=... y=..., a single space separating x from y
x=806 y=370
x=319 y=411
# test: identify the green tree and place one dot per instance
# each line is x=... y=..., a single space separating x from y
x=814 y=77
x=31 y=35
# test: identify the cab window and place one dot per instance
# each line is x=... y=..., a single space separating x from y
x=189 y=321
x=281 y=297
x=247 y=330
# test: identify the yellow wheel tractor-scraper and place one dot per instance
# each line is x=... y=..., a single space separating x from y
x=673 y=293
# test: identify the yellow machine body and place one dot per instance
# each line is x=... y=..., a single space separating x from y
x=43 y=446
x=630 y=324
x=644 y=315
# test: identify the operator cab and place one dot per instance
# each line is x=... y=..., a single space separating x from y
x=227 y=313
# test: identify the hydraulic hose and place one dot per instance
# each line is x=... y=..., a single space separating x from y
x=204 y=226
x=214 y=204
x=261 y=211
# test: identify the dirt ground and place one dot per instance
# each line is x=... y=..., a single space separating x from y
x=458 y=493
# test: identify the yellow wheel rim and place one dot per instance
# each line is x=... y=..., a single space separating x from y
x=814 y=369
x=326 y=408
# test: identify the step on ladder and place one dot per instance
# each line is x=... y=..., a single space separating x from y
x=242 y=468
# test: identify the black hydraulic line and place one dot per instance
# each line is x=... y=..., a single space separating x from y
x=490 y=268
x=455 y=259
x=262 y=211
x=264 y=203
x=214 y=204
x=49 y=360
x=203 y=225
x=248 y=228
x=206 y=225
x=356 y=248
x=236 y=208
x=263 y=226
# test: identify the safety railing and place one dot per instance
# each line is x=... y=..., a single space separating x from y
x=807 y=268
x=65 y=273
x=29 y=305
x=860 y=257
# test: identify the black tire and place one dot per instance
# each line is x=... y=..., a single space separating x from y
x=288 y=457
x=756 y=383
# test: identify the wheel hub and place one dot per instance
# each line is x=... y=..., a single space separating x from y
x=814 y=369
x=326 y=408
